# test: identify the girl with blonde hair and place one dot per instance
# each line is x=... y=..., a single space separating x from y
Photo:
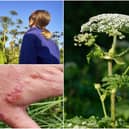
x=37 y=45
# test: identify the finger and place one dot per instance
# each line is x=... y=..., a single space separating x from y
x=18 y=118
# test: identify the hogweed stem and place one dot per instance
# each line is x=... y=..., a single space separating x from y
x=113 y=91
x=97 y=87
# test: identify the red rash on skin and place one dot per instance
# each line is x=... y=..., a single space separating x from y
x=43 y=77
x=12 y=97
x=38 y=76
x=35 y=76
x=2 y=117
x=15 y=94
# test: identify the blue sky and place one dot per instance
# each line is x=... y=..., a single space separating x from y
x=25 y=8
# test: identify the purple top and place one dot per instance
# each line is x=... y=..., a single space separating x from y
x=36 y=49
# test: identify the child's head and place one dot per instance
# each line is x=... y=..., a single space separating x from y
x=40 y=18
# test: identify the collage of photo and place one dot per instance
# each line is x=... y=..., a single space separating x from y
x=64 y=64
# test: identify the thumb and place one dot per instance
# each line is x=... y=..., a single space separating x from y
x=17 y=117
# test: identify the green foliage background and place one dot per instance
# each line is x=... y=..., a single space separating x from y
x=82 y=99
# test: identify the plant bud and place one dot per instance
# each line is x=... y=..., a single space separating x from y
x=97 y=86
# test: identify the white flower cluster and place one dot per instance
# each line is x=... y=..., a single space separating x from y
x=112 y=24
x=86 y=39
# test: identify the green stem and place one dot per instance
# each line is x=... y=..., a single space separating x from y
x=109 y=67
x=112 y=50
x=114 y=43
x=113 y=91
x=104 y=109
x=125 y=72
x=102 y=102
x=4 y=41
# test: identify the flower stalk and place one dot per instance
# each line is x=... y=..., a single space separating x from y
x=113 y=91
x=113 y=94
x=102 y=99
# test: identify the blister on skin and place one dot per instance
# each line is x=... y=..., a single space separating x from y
x=45 y=77
x=15 y=94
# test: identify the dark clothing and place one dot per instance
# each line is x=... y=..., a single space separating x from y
x=36 y=49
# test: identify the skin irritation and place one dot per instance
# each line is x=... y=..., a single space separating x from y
x=48 y=77
x=2 y=117
x=29 y=85
x=43 y=77
x=15 y=94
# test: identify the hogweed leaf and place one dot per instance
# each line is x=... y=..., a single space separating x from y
x=115 y=81
x=95 y=52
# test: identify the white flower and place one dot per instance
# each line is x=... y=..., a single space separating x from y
x=107 y=23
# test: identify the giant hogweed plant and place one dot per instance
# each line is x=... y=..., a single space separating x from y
x=9 y=53
x=115 y=26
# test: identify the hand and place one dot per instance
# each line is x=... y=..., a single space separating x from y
x=21 y=85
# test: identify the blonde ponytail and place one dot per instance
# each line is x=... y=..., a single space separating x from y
x=46 y=33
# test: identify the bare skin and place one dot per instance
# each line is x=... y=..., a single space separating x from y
x=21 y=85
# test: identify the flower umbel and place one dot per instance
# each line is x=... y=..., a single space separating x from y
x=111 y=24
